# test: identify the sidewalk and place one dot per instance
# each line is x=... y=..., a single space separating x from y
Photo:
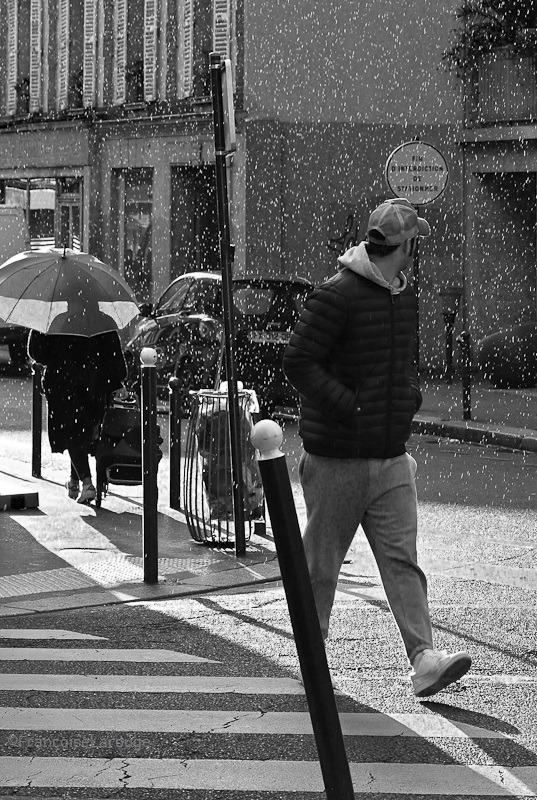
x=79 y=556
x=501 y=417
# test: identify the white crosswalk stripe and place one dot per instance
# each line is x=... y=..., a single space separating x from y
x=96 y=654
x=57 y=743
x=253 y=722
x=264 y=776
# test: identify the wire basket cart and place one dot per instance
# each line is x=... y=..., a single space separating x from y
x=207 y=487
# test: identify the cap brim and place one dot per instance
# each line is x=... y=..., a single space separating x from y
x=423 y=227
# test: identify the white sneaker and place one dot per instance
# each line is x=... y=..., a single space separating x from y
x=436 y=669
x=87 y=494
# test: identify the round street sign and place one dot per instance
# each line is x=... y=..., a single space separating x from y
x=417 y=171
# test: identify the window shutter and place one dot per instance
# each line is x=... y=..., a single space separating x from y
x=90 y=52
x=185 y=16
x=12 y=37
x=63 y=53
x=150 y=50
x=99 y=55
x=36 y=54
x=120 y=51
x=222 y=27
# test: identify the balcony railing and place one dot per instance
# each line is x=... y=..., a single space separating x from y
x=503 y=88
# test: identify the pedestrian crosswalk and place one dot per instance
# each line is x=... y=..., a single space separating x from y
x=135 y=719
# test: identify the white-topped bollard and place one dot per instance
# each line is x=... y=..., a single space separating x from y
x=148 y=357
x=267 y=437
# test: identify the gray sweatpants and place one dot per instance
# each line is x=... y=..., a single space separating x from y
x=380 y=495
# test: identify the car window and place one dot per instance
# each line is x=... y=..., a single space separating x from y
x=279 y=305
x=171 y=301
x=191 y=300
x=204 y=297
x=252 y=300
x=211 y=299
x=299 y=296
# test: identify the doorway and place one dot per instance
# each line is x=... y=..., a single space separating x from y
x=502 y=251
x=194 y=221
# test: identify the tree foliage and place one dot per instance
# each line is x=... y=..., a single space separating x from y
x=485 y=25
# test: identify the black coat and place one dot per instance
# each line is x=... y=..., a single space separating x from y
x=80 y=374
x=351 y=358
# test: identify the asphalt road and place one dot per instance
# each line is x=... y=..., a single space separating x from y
x=75 y=735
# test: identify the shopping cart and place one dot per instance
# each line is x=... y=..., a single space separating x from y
x=118 y=451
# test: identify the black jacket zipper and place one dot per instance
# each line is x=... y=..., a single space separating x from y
x=388 y=438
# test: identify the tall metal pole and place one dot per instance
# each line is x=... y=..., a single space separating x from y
x=148 y=357
x=175 y=442
x=227 y=297
x=37 y=419
x=266 y=437
x=416 y=274
x=463 y=340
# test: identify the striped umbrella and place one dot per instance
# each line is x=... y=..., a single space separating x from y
x=57 y=290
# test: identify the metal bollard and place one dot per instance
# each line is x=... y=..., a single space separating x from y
x=148 y=357
x=267 y=437
x=175 y=416
x=463 y=340
x=37 y=419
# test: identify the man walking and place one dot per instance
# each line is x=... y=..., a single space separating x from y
x=351 y=358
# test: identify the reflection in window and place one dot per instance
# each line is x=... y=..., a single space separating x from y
x=133 y=206
x=42 y=212
x=53 y=208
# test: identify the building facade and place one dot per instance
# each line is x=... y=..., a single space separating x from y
x=106 y=135
x=498 y=142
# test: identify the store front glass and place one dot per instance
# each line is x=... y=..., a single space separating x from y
x=132 y=212
x=53 y=208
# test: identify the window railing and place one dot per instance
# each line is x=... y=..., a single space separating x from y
x=503 y=88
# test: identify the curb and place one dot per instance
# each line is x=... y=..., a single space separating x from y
x=478 y=433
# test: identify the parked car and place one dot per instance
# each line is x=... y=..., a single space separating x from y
x=186 y=328
x=16 y=339
x=508 y=358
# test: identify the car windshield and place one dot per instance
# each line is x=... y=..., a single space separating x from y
x=172 y=299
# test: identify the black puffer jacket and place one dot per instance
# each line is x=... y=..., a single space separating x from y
x=351 y=358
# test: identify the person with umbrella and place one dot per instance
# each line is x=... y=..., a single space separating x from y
x=74 y=306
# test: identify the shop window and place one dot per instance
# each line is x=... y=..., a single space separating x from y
x=132 y=216
x=53 y=208
x=69 y=221
x=42 y=212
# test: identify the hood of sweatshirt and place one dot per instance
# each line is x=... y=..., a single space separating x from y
x=356 y=259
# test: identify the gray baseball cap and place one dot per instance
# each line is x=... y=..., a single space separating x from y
x=395 y=221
